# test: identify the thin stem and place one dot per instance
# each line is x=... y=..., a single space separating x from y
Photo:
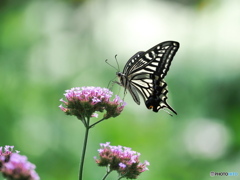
x=82 y=118
x=84 y=148
x=84 y=123
x=105 y=176
x=122 y=176
x=96 y=123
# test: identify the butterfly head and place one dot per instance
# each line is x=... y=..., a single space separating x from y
x=119 y=74
x=121 y=78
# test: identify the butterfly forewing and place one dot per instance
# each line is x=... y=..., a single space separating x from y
x=144 y=73
x=134 y=63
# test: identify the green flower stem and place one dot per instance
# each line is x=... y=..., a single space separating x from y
x=84 y=147
x=108 y=172
x=96 y=122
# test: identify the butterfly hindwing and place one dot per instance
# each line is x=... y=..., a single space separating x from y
x=144 y=73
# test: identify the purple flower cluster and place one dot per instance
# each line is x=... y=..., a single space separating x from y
x=84 y=101
x=14 y=166
x=122 y=159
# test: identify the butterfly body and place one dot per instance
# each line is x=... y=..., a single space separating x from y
x=144 y=74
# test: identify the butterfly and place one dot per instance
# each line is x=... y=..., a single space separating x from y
x=144 y=74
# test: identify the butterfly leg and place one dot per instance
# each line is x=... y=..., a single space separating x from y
x=125 y=92
x=110 y=85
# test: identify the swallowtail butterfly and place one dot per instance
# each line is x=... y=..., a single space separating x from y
x=144 y=72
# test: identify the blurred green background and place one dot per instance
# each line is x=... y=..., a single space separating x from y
x=47 y=47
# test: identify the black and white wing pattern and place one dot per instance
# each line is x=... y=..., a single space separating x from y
x=144 y=72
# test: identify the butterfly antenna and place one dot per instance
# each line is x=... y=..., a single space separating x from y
x=106 y=61
x=117 y=62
